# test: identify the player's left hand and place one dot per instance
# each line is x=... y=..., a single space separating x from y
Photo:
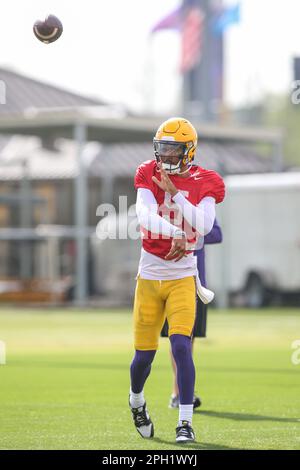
x=165 y=183
x=177 y=249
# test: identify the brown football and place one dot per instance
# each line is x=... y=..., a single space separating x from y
x=49 y=30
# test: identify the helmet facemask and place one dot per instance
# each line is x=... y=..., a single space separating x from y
x=172 y=155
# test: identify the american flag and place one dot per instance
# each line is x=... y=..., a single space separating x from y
x=189 y=19
x=171 y=21
x=192 y=38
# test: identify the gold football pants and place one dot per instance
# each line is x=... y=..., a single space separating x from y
x=157 y=300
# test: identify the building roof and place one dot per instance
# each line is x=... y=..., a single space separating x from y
x=37 y=114
x=123 y=159
x=24 y=93
x=119 y=160
x=112 y=124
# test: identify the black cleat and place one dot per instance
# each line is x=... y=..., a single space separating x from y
x=185 y=433
x=174 y=402
x=197 y=402
x=142 y=421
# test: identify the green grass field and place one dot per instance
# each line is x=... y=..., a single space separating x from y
x=66 y=382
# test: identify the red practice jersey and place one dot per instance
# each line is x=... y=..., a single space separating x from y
x=200 y=184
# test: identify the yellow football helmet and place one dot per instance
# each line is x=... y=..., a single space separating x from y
x=175 y=137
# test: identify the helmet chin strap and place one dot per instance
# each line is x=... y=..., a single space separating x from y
x=185 y=171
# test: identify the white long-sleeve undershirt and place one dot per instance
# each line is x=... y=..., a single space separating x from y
x=200 y=217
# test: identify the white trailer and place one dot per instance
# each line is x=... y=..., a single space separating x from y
x=260 y=254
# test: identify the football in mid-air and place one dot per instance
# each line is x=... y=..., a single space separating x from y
x=48 y=30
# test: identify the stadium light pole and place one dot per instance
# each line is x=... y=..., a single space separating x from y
x=80 y=137
x=200 y=91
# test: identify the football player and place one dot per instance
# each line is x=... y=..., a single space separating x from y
x=175 y=206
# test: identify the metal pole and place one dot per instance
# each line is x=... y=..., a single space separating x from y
x=225 y=257
x=25 y=222
x=277 y=150
x=80 y=136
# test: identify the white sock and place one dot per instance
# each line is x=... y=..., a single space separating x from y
x=186 y=413
x=137 y=399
